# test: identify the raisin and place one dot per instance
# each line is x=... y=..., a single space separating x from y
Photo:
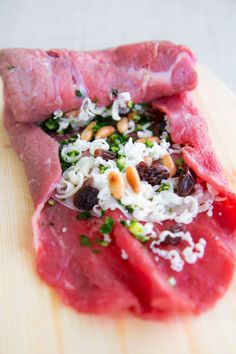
x=152 y=174
x=169 y=240
x=105 y=155
x=177 y=228
x=86 y=197
x=186 y=182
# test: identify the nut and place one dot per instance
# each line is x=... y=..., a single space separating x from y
x=132 y=114
x=87 y=133
x=116 y=184
x=74 y=113
x=133 y=179
x=169 y=163
x=122 y=125
x=154 y=139
x=104 y=132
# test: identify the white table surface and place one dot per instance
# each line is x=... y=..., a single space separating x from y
x=207 y=26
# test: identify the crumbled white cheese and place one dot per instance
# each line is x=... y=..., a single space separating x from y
x=191 y=253
x=172 y=281
x=124 y=255
x=149 y=205
x=106 y=238
x=120 y=102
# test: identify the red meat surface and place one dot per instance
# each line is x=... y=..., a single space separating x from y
x=95 y=279
x=38 y=82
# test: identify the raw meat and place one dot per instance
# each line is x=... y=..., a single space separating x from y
x=39 y=82
x=104 y=282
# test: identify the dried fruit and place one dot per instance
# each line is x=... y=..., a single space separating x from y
x=186 y=182
x=153 y=174
x=86 y=197
x=169 y=240
x=104 y=154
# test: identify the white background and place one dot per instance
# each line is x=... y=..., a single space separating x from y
x=207 y=26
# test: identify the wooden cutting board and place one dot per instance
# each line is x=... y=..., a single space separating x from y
x=32 y=318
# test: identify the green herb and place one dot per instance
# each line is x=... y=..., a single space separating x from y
x=95 y=100
x=11 y=67
x=120 y=162
x=136 y=118
x=139 y=127
x=114 y=148
x=72 y=139
x=85 y=241
x=164 y=187
x=95 y=251
x=83 y=215
x=130 y=104
x=51 y=202
x=179 y=164
x=107 y=227
x=149 y=143
x=118 y=138
x=78 y=93
x=72 y=153
x=102 y=169
x=51 y=124
x=130 y=208
x=65 y=165
x=136 y=229
x=102 y=212
x=123 y=223
x=102 y=243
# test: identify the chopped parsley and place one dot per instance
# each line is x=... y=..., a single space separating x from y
x=72 y=139
x=130 y=208
x=130 y=104
x=95 y=251
x=51 y=124
x=179 y=164
x=72 y=153
x=136 y=229
x=149 y=143
x=107 y=227
x=120 y=162
x=102 y=243
x=123 y=223
x=164 y=187
x=84 y=215
x=85 y=241
x=102 y=169
x=51 y=202
x=78 y=93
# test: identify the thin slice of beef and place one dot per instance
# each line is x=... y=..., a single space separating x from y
x=89 y=277
x=147 y=70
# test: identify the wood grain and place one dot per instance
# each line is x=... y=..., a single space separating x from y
x=33 y=319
